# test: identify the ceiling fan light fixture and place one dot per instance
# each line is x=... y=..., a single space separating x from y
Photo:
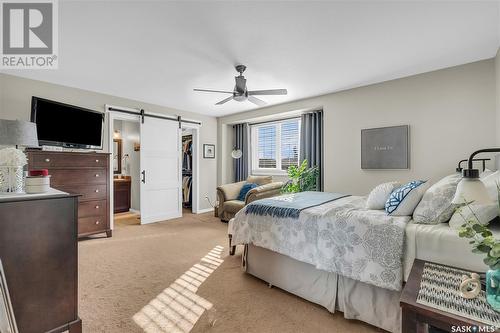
x=240 y=92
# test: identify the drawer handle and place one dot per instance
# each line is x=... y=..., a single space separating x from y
x=97 y=222
x=47 y=160
x=97 y=161
x=97 y=191
x=97 y=175
x=97 y=207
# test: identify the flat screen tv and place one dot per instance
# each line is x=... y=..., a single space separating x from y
x=66 y=125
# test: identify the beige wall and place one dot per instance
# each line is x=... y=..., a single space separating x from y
x=15 y=103
x=451 y=113
x=497 y=95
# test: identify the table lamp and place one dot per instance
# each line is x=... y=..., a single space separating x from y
x=471 y=188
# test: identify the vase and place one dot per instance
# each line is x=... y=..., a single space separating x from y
x=493 y=288
x=11 y=179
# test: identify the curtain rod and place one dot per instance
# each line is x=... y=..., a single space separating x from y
x=287 y=118
x=144 y=114
x=274 y=120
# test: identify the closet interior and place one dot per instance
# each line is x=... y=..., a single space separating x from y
x=187 y=169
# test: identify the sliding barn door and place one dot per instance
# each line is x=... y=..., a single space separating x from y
x=160 y=170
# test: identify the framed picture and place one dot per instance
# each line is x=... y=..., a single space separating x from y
x=385 y=148
x=208 y=151
x=7 y=319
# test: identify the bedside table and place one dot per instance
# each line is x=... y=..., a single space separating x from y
x=417 y=317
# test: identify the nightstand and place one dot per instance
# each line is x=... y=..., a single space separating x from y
x=417 y=317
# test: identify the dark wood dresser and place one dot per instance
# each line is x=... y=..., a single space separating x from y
x=39 y=252
x=86 y=174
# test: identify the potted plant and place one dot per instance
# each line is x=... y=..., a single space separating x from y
x=483 y=242
x=301 y=179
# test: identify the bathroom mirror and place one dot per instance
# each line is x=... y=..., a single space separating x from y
x=117 y=156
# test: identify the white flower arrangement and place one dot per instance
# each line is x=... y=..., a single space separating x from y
x=12 y=157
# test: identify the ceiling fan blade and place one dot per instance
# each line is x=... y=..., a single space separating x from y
x=224 y=101
x=241 y=84
x=256 y=101
x=216 y=91
x=268 y=92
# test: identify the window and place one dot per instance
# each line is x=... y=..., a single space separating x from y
x=275 y=146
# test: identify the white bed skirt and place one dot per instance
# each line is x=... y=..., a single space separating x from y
x=357 y=300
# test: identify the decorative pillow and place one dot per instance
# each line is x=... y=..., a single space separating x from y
x=379 y=195
x=435 y=206
x=491 y=184
x=484 y=214
x=244 y=190
x=403 y=200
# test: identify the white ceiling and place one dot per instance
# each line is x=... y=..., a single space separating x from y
x=157 y=52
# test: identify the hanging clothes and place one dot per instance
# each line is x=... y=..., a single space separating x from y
x=186 y=191
x=187 y=170
x=187 y=153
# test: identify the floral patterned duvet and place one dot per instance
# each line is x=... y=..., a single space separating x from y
x=339 y=236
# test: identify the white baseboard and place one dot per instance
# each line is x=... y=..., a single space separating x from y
x=135 y=211
x=206 y=210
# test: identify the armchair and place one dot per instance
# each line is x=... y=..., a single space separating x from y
x=227 y=194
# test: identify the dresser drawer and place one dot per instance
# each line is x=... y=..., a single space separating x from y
x=80 y=176
x=92 y=224
x=87 y=192
x=48 y=160
x=92 y=208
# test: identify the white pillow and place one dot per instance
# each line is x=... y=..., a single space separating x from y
x=435 y=206
x=491 y=184
x=402 y=201
x=379 y=195
x=486 y=173
x=484 y=213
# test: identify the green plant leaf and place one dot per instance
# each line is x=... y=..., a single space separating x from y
x=490 y=261
x=495 y=251
x=483 y=248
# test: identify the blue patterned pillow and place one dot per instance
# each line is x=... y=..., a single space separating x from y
x=244 y=190
x=404 y=200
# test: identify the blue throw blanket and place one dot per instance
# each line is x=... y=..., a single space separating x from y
x=290 y=205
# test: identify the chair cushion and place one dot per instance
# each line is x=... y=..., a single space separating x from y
x=233 y=206
x=244 y=190
x=260 y=180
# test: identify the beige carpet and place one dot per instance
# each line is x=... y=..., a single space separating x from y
x=121 y=275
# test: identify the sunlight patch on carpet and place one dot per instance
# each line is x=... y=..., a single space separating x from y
x=177 y=308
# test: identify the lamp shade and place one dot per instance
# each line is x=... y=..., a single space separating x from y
x=471 y=189
x=236 y=153
x=18 y=133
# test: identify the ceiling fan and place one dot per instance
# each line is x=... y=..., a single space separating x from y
x=241 y=93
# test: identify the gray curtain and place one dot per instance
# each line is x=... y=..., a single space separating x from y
x=311 y=142
x=241 y=141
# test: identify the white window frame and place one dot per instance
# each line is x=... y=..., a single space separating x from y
x=254 y=139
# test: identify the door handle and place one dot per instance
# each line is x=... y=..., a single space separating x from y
x=143 y=176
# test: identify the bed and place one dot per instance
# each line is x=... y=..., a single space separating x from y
x=284 y=253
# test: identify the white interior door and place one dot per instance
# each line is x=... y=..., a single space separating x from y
x=160 y=170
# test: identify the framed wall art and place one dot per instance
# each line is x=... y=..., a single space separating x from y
x=385 y=148
x=208 y=151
